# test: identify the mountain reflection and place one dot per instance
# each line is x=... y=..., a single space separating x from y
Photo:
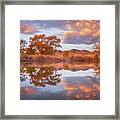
x=60 y=82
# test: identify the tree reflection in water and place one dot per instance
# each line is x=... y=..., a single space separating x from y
x=42 y=76
x=67 y=88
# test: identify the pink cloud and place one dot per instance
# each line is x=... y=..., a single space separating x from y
x=28 y=29
x=84 y=27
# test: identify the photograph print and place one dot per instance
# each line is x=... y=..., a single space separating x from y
x=59 y=59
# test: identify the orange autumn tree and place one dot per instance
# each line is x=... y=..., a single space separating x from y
x=42 y=44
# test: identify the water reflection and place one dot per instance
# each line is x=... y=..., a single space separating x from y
x=81 y=88
x=59 y=83
x=40 y=76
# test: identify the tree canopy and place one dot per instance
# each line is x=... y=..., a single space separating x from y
x=42 y=44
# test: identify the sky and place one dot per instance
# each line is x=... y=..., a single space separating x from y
x=75 y=34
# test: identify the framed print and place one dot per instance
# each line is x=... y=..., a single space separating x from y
x=59 y=59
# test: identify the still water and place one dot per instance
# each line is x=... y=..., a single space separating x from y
x=49 y=83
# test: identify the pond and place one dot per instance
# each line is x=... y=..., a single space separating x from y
x=57 y=83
